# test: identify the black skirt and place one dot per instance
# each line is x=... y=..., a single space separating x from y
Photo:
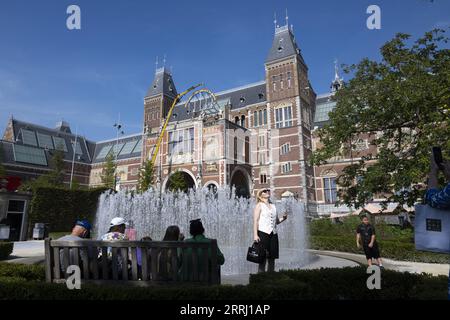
x=270 y=244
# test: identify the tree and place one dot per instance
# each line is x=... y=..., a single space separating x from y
x=177 y=182
x=146 y=176
x=403 y=102
x=56 y=176
x=109 y=172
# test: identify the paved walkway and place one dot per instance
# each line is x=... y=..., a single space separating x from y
x=402 y=266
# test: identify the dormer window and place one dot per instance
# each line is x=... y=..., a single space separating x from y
x=261 y=96
x=280 y=48
x=242 y=99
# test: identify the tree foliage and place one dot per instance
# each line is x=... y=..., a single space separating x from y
x=403 y=102
x=177 y=182
x=146 y=176
x=109 y=172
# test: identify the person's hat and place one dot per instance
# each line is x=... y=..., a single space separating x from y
x=117 y=221
x=84 y=223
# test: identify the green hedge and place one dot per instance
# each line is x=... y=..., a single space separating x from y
x=396 y=250
x=61 y=207
x=343 y=284
x=5 y=249
x=22 y=271
x=350 y=284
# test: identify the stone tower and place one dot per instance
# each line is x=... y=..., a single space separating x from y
x=290 y=104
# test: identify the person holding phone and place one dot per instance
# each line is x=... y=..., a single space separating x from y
x=265 y=221
x=436 y=197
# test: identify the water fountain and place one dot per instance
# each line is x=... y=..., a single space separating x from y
x=225 y=218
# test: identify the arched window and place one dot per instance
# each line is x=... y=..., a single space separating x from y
x=236 y=120
x=242 y=121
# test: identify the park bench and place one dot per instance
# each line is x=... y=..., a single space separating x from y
x=202 y=266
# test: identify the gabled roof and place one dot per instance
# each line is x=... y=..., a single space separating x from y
x=61 y=135
x=162 y=84
x=239 y=97
x=283 y=45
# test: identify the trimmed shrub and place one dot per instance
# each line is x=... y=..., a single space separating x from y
x=60 y=208
x=5 y=249
x=350 y=283
x=22 y=271
x=341 y=284
x=397 y=250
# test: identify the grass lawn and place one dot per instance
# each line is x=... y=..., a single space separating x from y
x=394 y=242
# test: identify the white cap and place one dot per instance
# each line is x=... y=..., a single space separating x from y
x=117 y=221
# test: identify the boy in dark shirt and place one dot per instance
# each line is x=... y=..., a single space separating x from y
x=365 y=233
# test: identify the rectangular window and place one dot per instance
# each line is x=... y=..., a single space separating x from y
x=287 y=167
x=29 y=137
x=285 y=148
x=260 y=118
x=45 y=141
x=283 y=117
x=262 y=178
x=29 y=155
x=434 y=225
x=60 y=143
x=265 y=116
x=255 y=119
x=181 y=141
x=261 y=158
x=330 y=190
x=289 y=79
x=262 y=142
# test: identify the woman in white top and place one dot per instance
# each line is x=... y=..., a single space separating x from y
x=265 y=221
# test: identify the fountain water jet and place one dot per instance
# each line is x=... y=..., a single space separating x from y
x=225 y=218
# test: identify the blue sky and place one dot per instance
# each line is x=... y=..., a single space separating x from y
x=88 y=76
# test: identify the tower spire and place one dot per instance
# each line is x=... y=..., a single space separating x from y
x=337 y=83
x=156 y=64
x=287 y=18
x=164 y=61
x=275 y=19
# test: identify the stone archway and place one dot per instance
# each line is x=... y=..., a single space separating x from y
x=181 y=179
x=240 y=179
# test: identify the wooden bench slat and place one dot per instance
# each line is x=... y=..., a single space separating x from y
x=124 y=256
x=94 y=261
x=114 y=264
x=66 y=259
x=105 y=271
x=205 y=264
x=174 y=266
x=85 y=263
x=76 y=257
x=57 y=268
x=195 y=269
x=144 y=256
x=134 y=266
x=214 y=275
x=154 y=263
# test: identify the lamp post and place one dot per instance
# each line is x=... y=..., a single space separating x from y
x=118 y=127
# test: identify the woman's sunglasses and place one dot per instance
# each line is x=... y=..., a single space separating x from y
x=266 y=191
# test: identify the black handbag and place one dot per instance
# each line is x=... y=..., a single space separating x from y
x=256 y=253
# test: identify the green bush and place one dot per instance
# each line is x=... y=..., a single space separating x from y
x=5 y=249
x=343 y=284
x=397 y=250
x=350 y=284
x=61 y=207
x=348 y=225
x=22 y=271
